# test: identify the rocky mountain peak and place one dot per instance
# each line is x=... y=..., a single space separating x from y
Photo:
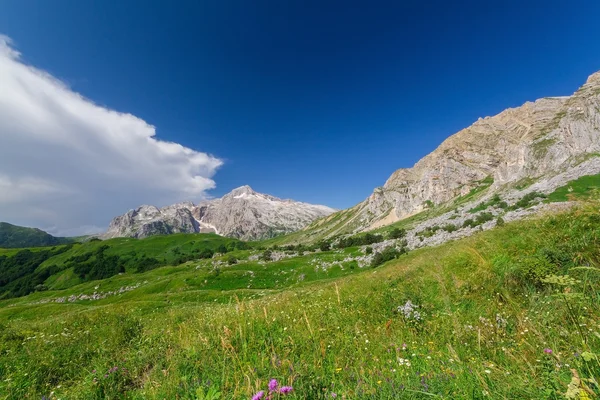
x=240 y=191
x=242 y=213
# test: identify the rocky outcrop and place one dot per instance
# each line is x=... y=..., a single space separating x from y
x=146 y=221
x=242 y=213
x=533 y=142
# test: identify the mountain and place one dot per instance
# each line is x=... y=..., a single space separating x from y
x=539 y=146
x=13 y=236
x=242 y=213
x=148 y=220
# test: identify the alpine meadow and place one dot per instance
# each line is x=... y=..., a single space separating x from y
x=217 y=232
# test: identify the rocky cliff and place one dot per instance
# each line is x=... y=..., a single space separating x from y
x=532 y=143
x=242 y=213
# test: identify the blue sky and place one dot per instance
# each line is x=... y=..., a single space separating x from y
x=312 y=100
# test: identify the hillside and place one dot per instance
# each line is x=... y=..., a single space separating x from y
x=537 y=147
x=23 y=271
x=475 y=318
x=13 y=236
x=461 y=217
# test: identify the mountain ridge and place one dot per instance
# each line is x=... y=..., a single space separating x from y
x=544 y=143
x=14 y=236
x=242 y=213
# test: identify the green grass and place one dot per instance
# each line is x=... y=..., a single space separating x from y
x=486 y=318
x=579 y=189
x=59 y=271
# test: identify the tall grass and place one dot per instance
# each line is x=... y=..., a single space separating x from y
x=504 y=314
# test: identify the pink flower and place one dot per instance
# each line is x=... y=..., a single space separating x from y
x=286 y=389
x=333 y=394
x=259 y=395
x=273 y=385
x=548 y=351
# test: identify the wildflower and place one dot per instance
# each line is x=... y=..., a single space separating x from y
x=259 y=395
x=334 y=395
x=273 y=385
x=286 y=389
x=409 y=311
x=548 y=351
x=487 y=371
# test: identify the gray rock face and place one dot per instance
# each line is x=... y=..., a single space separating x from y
x=534 y=142
x=246 y=214
x=146 y=221
x=242 y=213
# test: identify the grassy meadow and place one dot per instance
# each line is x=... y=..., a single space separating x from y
x=511 y=313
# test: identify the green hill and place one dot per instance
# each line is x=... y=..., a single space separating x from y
x=24 y=271
x=511 y=313
x=12 y=236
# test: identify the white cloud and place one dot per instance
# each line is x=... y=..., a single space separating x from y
x=69 y=164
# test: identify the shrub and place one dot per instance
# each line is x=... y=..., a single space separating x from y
x=499 y=221
x=397 y=233
x=527 y=200
x=267 y=255
x=368 y=250
x=387 y=254
x=206 y=253
x=361 y=240
x=147 y=263
x=429 y=231
x=449 y=228
x=535 y=268
x=324 y=246
x=231 y=260
x=483 y=218
x=241 y=246
x=558 y=257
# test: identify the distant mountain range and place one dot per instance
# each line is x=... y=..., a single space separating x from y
x=242 y=213
x=12 y=236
